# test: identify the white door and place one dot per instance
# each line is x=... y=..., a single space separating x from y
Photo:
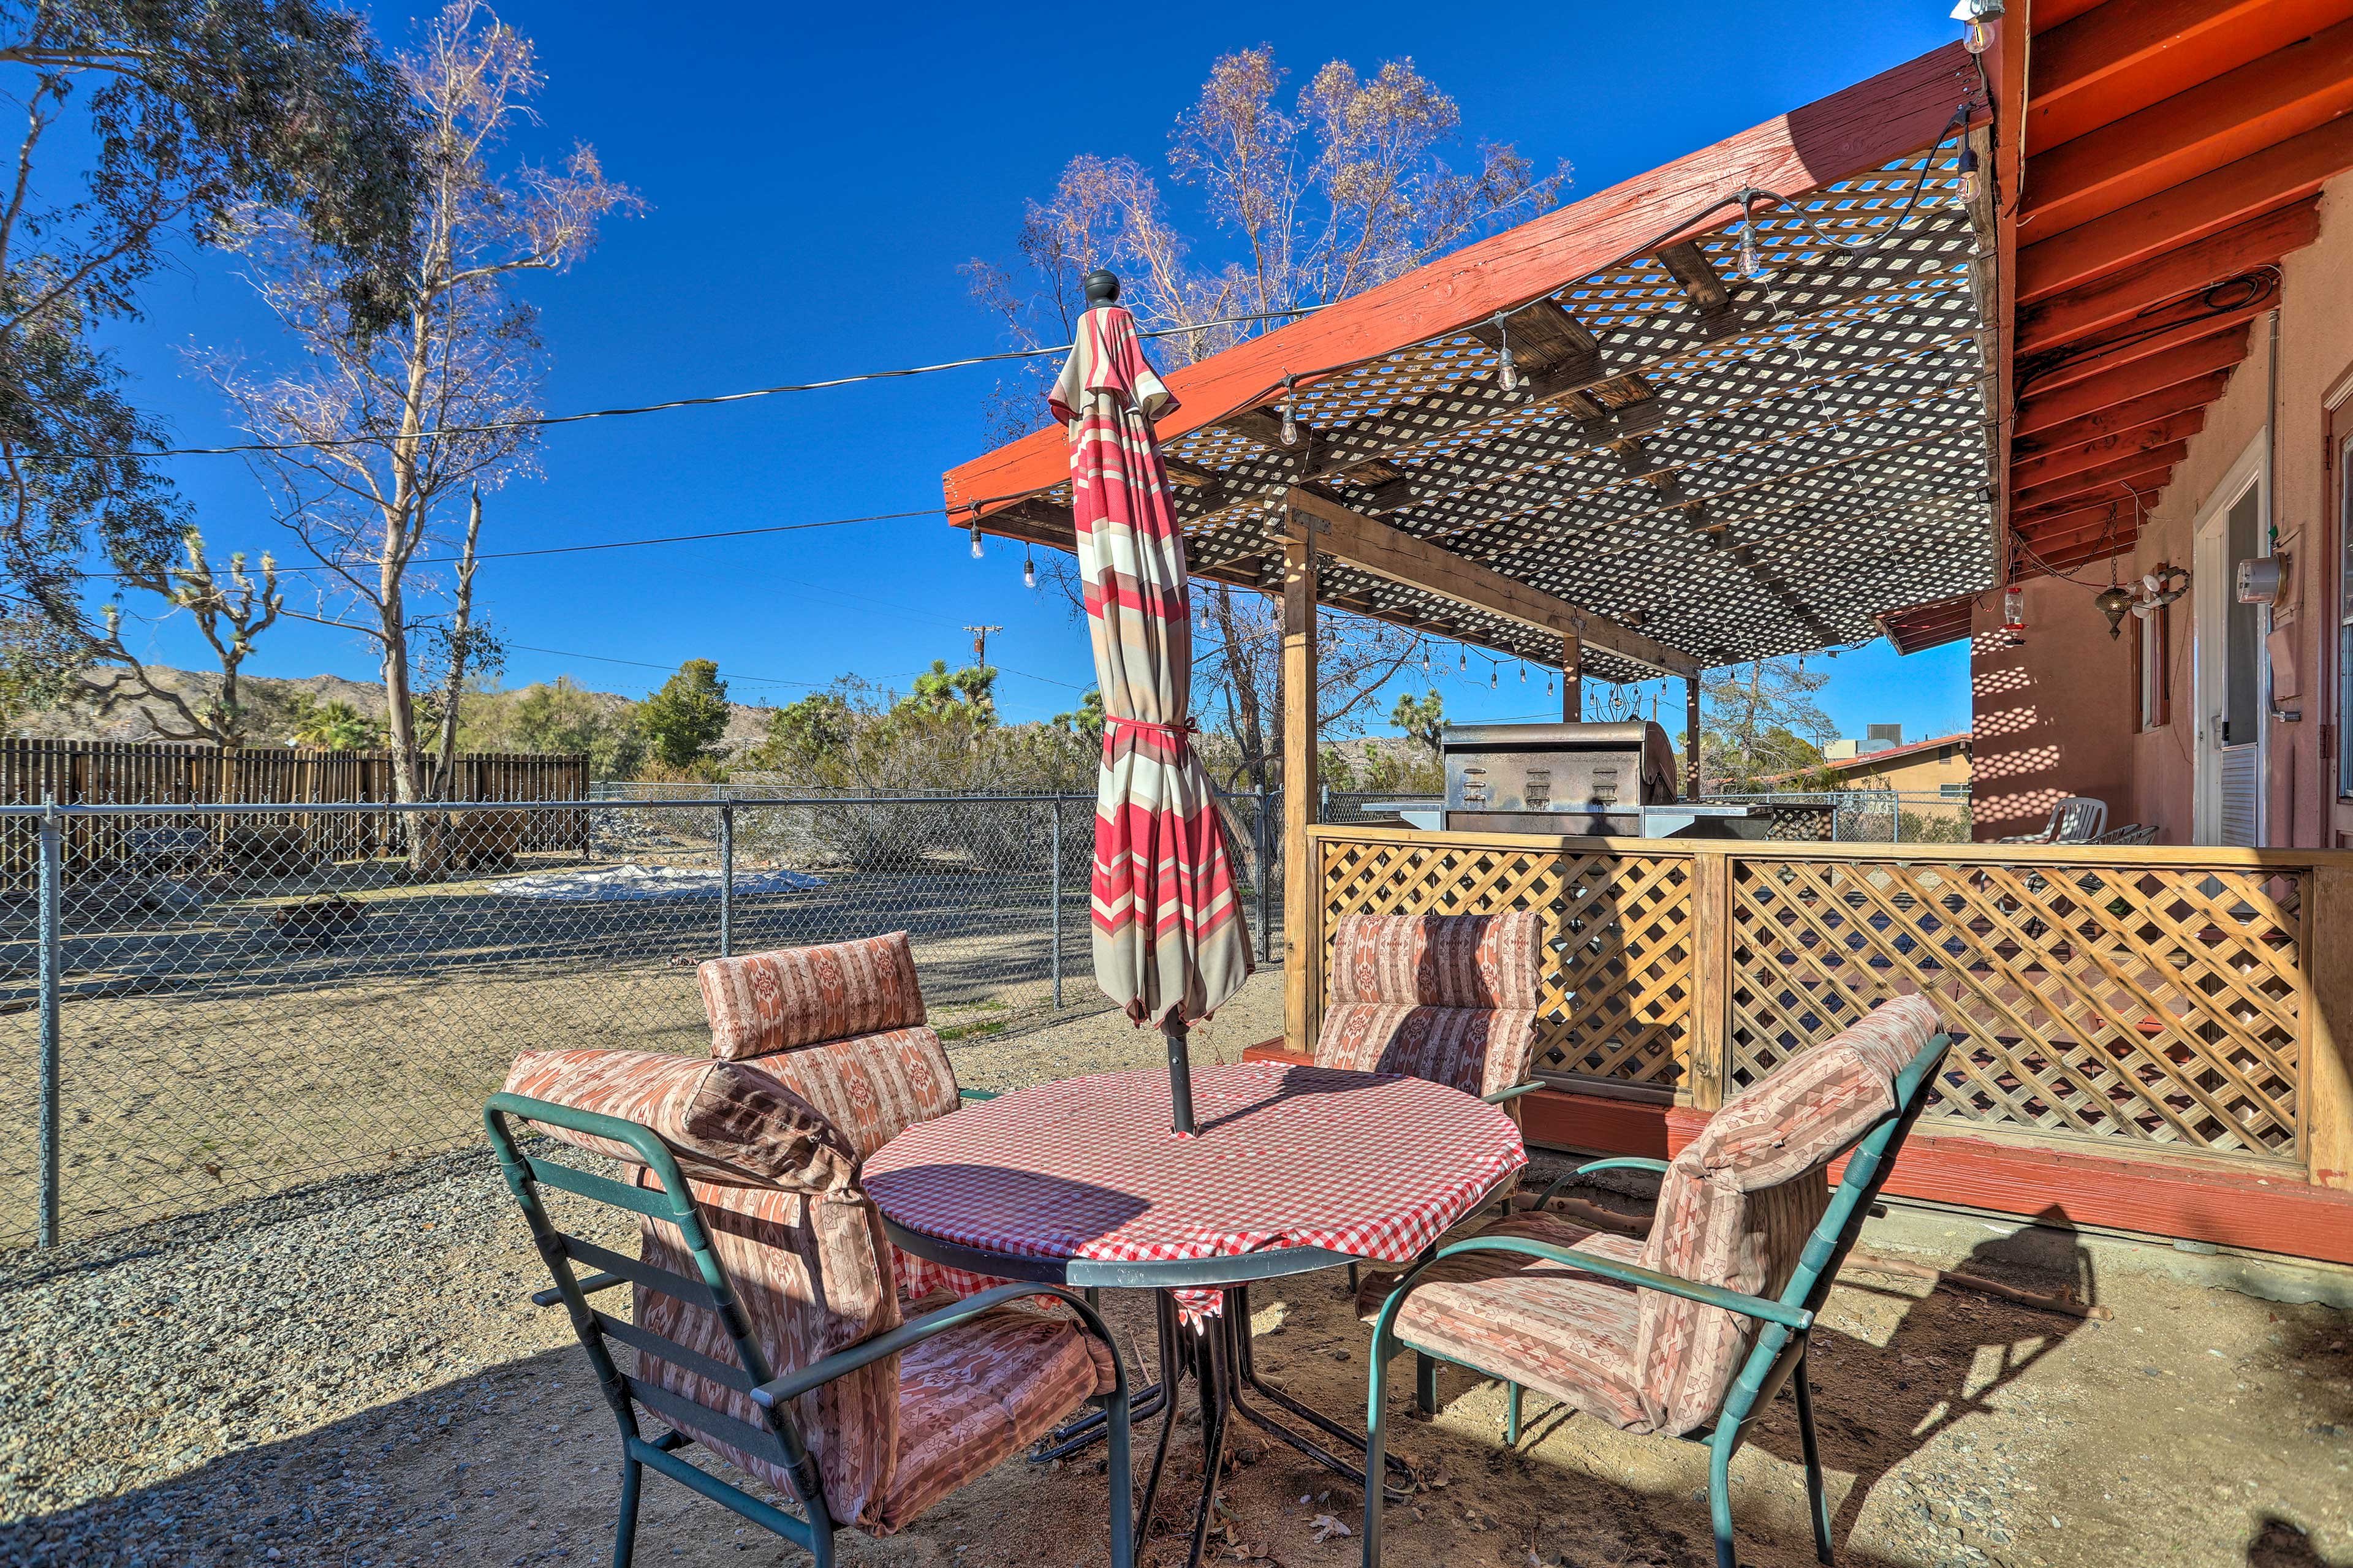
x=2230 y=658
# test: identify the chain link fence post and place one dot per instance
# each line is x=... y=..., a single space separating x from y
x=1265 y=879
x=52 y=960
x=1055 y=853
x=726 y=878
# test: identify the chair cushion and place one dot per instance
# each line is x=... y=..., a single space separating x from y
x=808 y=1271
x=1541 y=1324
x=724 y=1122
x=772 y=1001
x=1476 y=1050
x=871 y=1086
x=1493 y=961
x=976 y=1395
x=1737 y=1206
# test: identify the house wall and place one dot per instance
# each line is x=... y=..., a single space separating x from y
x=1921 y=770
x=2058 y=715
x=2051 y=715
x=2315 y=355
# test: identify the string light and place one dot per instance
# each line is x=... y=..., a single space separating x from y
x=1507 y=372
x=1523 y=675
x=1748 y=267
x=1463 y=661
x=1029 y=570
x=1967 y=190
x=975 y=539
x=1491 y=676
x=1290 y=412
x=1425 y=659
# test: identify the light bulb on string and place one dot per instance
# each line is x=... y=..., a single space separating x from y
x=1463 y=661
x=1967 y=190
x=1028 y=571
x=977 y=551
x=1748 y=267
x=1290 y=413
x=1507 y=371
x=1523 y=675
x=1490 y=676
x=1425 y=659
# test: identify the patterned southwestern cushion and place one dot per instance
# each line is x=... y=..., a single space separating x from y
x=1493 y=961
x=1476 y=1050
x=1546 y=1325
x=1738 y=1205
x=900 y=1433
x=726 y=1122
x=797 y=997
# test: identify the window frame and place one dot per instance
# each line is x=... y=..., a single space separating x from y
x=2153 y=640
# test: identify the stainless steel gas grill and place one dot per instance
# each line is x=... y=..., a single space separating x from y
x=1615 y=781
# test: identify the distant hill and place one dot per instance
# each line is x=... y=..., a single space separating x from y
x=273 y=702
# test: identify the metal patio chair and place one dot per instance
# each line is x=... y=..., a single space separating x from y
x=767 y=1324
x=1688 y=1333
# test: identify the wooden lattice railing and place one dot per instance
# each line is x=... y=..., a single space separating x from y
x=2175 y=999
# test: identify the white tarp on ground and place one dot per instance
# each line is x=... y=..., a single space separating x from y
x=635 y=884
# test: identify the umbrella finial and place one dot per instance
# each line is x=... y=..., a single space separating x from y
x=1103 y=288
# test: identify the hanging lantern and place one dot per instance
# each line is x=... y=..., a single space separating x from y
x=2114 y=602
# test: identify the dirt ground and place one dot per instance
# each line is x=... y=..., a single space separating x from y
x=357 y=1379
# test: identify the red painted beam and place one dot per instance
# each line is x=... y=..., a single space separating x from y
x=2076 y=557
x=2109 y=517
x=2186 y=213
x=2125 y=417
x=2107 y=450
x=2186 y=362
x=2028 y=500
x=2233 y=116
x=2280 y=1213
x=2121 y=346
x=2119 y=299
x=2119 y=58
x=1861 y=127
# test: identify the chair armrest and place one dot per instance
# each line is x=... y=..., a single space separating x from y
x=1795 y=1318
x=971 y=1094
x=1656 y=1167
x=553 y=1297
x=793 y=1384
x=1517 y=1089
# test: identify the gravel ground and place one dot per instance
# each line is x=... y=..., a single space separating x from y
x=352 y=1375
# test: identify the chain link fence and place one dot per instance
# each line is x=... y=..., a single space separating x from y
x=204 y=1005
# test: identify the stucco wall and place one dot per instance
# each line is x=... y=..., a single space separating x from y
x=2049 y=713
x=1920 y=771
x=2316 y=351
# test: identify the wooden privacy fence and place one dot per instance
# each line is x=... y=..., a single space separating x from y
x=2175 y=999
x=167 y=773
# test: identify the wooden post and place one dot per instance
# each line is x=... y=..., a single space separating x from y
x=1572 y=679
x=1708 y=1056
x=1302 y=899
x=1690 y=736
x=2324 y=1097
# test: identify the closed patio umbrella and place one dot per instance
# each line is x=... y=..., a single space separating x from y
x=1170 y=944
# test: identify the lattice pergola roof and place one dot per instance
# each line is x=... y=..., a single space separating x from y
x=1731 y=465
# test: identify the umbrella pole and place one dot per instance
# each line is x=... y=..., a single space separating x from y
x=1180 y=1069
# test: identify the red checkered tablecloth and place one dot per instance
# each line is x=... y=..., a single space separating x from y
x=1362 y=1163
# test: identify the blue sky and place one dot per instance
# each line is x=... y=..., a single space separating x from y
x=813 y=183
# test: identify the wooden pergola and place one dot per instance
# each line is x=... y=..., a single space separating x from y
x=1750 y=410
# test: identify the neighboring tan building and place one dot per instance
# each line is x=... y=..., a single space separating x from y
x=1938 y=766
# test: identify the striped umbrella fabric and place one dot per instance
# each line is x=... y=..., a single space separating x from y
x=1169 y=937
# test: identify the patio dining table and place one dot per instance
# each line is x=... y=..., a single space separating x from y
x=1293 y=1169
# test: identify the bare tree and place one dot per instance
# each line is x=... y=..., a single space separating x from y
x=1345 y=188
x=464 y=649
x=383 y=430
x=231 y=612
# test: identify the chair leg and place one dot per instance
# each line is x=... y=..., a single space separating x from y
x=1377 y=1438
x=1425 y=1383
x=1512 y=1415
x=625 y=1531
x=1816 y=1496
x=1719 y=1498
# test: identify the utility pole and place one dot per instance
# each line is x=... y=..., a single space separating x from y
x=980 y=643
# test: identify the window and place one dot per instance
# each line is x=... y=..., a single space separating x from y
x=2243 y=633
x=2153 y=659
x=1956 y=790
x=2344 y=618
